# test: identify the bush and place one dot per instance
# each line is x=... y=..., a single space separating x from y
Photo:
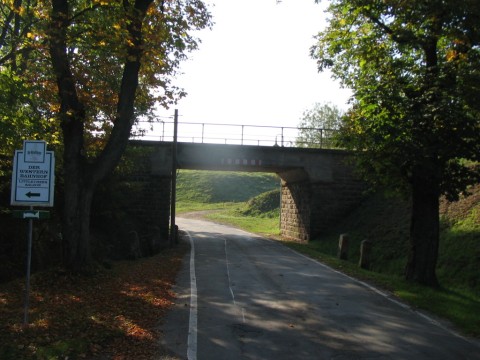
x=264 y=205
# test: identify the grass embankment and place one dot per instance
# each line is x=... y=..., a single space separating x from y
x=228 y=193
x=385 y=222
x=208 y=187
x=113 y=314
x=259 y=215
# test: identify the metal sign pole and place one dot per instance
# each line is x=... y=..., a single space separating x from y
x=173 y=234
x=33 y=183
x=29 y=262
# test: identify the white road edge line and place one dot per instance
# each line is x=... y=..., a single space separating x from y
x=230 y=281
x=192 y=323
x=389 y=298
x=372 y=288
x=228 y=273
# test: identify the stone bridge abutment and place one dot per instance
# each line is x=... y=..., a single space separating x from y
x=327 y=192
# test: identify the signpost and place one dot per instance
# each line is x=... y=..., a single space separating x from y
x=33 y=175
x=33 y=181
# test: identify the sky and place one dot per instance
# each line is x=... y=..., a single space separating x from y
x=254 y=65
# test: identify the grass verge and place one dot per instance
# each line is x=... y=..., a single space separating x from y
x=183 y=207
x=113 y=314
x=264 y=225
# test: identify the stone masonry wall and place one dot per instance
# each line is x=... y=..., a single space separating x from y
x=295 y=211
x=332 y=201
x=149 y=201
x=308 y=209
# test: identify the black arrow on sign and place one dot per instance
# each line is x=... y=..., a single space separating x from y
x=30 y=194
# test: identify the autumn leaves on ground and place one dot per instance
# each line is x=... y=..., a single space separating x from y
x=114 y=314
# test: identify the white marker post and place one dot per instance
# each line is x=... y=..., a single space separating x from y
x=33 y=181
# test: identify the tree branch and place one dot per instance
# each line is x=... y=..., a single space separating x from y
x=124 y=120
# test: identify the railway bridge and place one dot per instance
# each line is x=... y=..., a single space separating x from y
x=318 y=186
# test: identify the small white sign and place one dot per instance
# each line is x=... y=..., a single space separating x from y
x=34 y=151
x=33 y=177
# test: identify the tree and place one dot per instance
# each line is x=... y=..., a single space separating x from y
x=100 y=65
x=414 y=67
x=24 y=115
x=318 y=125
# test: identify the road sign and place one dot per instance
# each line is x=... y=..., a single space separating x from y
x=31 y=214
x=33 y=177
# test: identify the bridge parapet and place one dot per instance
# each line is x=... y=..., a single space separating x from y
x=236 y=134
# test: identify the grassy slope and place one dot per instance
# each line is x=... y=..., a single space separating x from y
x=259 y=214
x=222 y=186
x=385 y=222
x=204 y=190
x=228 y=193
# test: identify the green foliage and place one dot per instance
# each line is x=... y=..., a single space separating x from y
x=222 y=197
x=266 y=225
x=414 y=67
x=20 y=120
x=98 y=32
x=100 y=65
x=318 y=126
x=385 y=221
x=264 y=205
x=460 y=252
x=216 y=186
x=25 y=114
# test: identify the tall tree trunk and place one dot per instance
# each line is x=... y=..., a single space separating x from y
x=76 y=227
x=424 y=228
x=81 y=175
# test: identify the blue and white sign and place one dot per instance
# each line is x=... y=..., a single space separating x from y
x=33 y=177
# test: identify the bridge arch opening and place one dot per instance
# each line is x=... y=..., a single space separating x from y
x=210 y=190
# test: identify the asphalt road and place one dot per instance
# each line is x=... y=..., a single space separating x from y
x=244 y=297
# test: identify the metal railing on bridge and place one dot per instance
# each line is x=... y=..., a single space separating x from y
x=236 y=134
